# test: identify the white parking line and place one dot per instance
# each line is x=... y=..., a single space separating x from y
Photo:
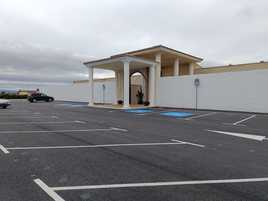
x=29 y=117
x=153 y=184
x=119 y=129
x=48 y=190
x=242 y=135
x=189 y=143
x=18 y=114
x=24 y=117
x=45 y=122
x=200 y=116
x=2 y=148
x=243 y=120
x=231 y=124
x=93 y=146
x=174 y=142
x=72 y=105
x=64 y=131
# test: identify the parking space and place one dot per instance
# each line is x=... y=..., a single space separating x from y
x=231 y=118
x=254 y=121
x=258 y=122
x=190 y=192
x=80 y=153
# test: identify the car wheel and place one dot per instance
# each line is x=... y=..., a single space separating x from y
x=34 y=100
x=50 y=100
x=4 y=107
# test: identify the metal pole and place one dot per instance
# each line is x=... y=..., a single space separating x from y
x=196 y=83
x=196 y=97
x=103 y=93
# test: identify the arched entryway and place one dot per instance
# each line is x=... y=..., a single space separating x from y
x=138 y=89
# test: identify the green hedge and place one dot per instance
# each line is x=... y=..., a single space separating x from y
x=13 y=96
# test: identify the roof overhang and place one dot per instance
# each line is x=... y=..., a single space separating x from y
x=138 y=56
x=113 y=63
x=162 y=49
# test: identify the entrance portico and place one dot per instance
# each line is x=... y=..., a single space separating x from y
x=154 y=63
x=123 y=66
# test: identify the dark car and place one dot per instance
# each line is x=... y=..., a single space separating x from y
x=40 y=97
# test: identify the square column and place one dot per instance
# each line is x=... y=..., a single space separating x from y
x=191 y=66
x=126 y=84
x=158 y=66
x=158 y=58
x=119 y=85
x=177 y=67
x=152 y=85
x=91 y=86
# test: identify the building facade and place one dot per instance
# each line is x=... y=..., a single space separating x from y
x=152 y=63
x=168 y=81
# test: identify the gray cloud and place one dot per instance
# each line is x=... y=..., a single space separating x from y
x=46 y=40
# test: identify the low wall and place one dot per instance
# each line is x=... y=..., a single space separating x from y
x=79 y=92
x=234 y=91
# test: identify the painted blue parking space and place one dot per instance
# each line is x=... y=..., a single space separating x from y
x=139 y=111
x=177 y=114
x=160 y=112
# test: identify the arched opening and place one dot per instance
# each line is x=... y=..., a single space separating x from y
x=138 y=92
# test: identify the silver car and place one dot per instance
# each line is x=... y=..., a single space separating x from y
x=4 y=103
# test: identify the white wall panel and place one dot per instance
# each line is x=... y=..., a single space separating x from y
x=234 y=91
x=79 y=92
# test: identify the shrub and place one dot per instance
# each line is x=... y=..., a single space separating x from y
x=13 y=96
x=146 y=103
x=120 y=102
x=140 y=95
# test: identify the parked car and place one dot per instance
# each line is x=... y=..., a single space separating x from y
x=4 y=103
x=40 y=97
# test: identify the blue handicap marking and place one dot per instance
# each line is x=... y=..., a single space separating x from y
x=139 y=110
x=176 y=114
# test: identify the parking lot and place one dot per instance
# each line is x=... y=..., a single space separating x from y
x=69 y=152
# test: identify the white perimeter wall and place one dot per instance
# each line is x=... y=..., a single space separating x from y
x=79 y=92
x=234 y=91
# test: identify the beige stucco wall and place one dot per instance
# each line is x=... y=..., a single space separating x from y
x=232 y=68
x=184 y=69
x=167 y=71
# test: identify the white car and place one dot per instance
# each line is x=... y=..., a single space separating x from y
x=4 y=103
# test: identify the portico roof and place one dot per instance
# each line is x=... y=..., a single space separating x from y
x=147 y=52
x=161 y=49
x=111 y=63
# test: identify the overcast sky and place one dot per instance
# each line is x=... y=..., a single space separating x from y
x=47 y=40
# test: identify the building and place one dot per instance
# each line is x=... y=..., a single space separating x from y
x=167 y=78
x=169 y=81
x=152 y=63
